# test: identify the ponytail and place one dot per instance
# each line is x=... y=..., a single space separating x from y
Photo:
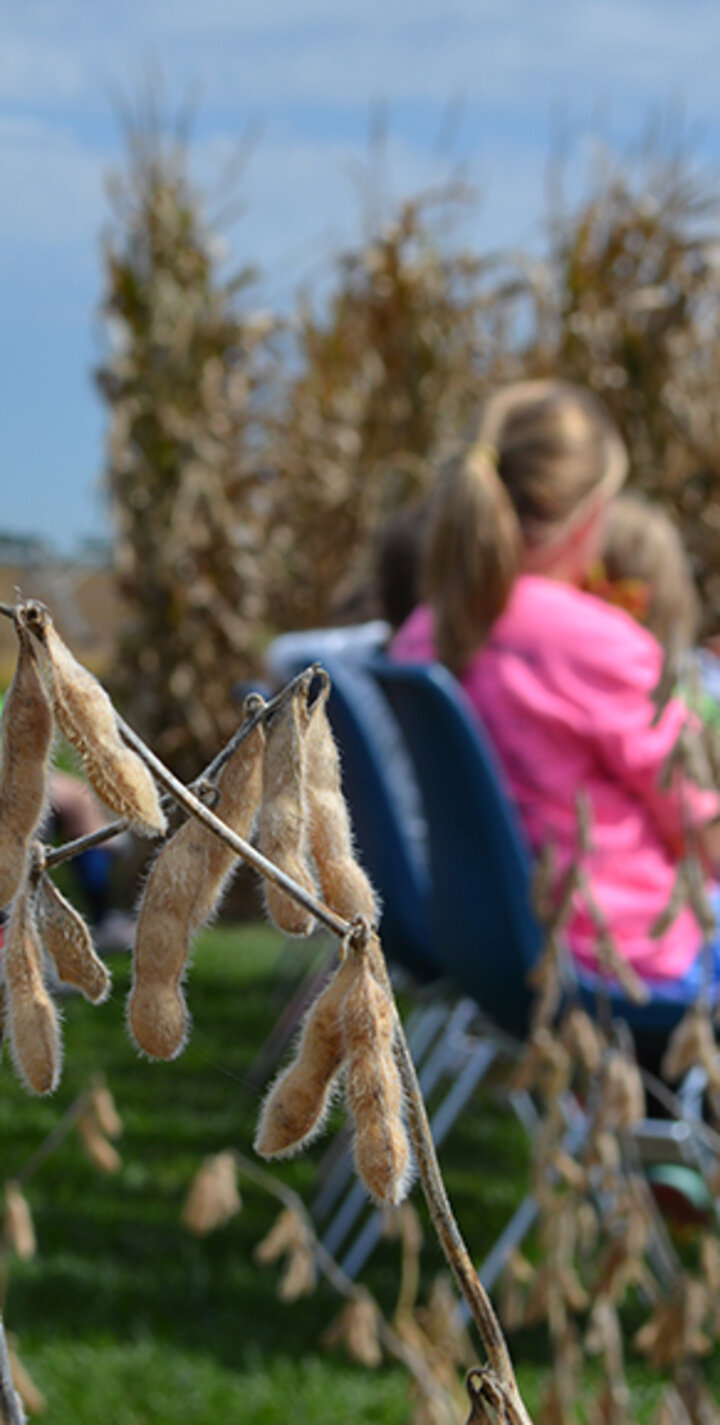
x=543 y=451
x=473 y=554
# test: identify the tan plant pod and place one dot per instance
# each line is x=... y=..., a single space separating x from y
x=282 y=829
x=374 y=1093
x=183 y=890
x=33 y=1023
x=86 y=716
x=103 y=1106
x=96 y=1145
x=357 y=1329
x=298 y=1102
x=18 y=1224
x=345 y=886
x=25 y=741
x=300 y=1275
x=213 y=1198
x=287 y=1234
x=67 y=940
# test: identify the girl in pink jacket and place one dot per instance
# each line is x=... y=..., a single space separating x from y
x=561 y=680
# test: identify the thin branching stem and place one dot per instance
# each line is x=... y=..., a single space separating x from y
x=262 y=713
x=345 y=1286
x=443 y=1217
x=11 y=1411
x=451 y=1241
x=63 y=1127
x=242 y=848
x=56 y=856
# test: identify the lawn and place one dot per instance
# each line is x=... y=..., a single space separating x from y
x=123 y=1314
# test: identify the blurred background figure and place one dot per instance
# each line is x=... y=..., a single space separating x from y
x=644 y=569
x=562 y=681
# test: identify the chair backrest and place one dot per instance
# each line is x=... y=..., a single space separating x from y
x=482 y=922
x=483 y=925
x=367 y=739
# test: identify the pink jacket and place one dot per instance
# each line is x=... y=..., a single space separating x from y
x=563 y=687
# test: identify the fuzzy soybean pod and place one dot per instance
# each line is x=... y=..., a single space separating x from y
x=33 y=1025
x=374 y=1092
x=87 y=718
x=297 y=1105
x=183 y=889
x=345 y=887
x=26 y=739
x=282 y=824
x=67 y=940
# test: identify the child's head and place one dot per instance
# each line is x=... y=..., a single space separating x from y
x=398 y=560
x=642 y=543
x=528 y=492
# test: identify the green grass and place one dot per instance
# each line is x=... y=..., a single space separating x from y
x=123 y=1315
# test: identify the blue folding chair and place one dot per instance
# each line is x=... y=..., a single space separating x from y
x=483 y=928
x=482 y=924
x=368 y=739
x=477 y=916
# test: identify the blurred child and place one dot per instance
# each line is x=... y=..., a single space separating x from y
x=644 y=569
x=562 y=681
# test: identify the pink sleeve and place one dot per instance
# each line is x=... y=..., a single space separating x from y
x=621 y=680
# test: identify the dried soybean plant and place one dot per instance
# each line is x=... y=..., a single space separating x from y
x=94 y=1117
x=602 y=1239
x=422 y=1338
x=280 y=772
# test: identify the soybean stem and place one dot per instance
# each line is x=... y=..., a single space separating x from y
x=242 y=848
x=70 y=849
x=11 y=1411
x=448 y=1232
x=347 y=1288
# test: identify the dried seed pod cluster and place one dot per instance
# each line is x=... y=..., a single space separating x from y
x=183 y=890
x=42 y=920
x=284 y=774
x=290 y=1237
x=349 y=1031
x=304 y=826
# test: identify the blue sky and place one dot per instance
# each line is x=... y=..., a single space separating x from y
x=305 y=76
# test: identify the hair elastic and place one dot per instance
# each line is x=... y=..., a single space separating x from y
x=486 y=451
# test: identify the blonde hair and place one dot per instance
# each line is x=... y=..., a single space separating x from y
x=542 y=453
x=641 y=542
